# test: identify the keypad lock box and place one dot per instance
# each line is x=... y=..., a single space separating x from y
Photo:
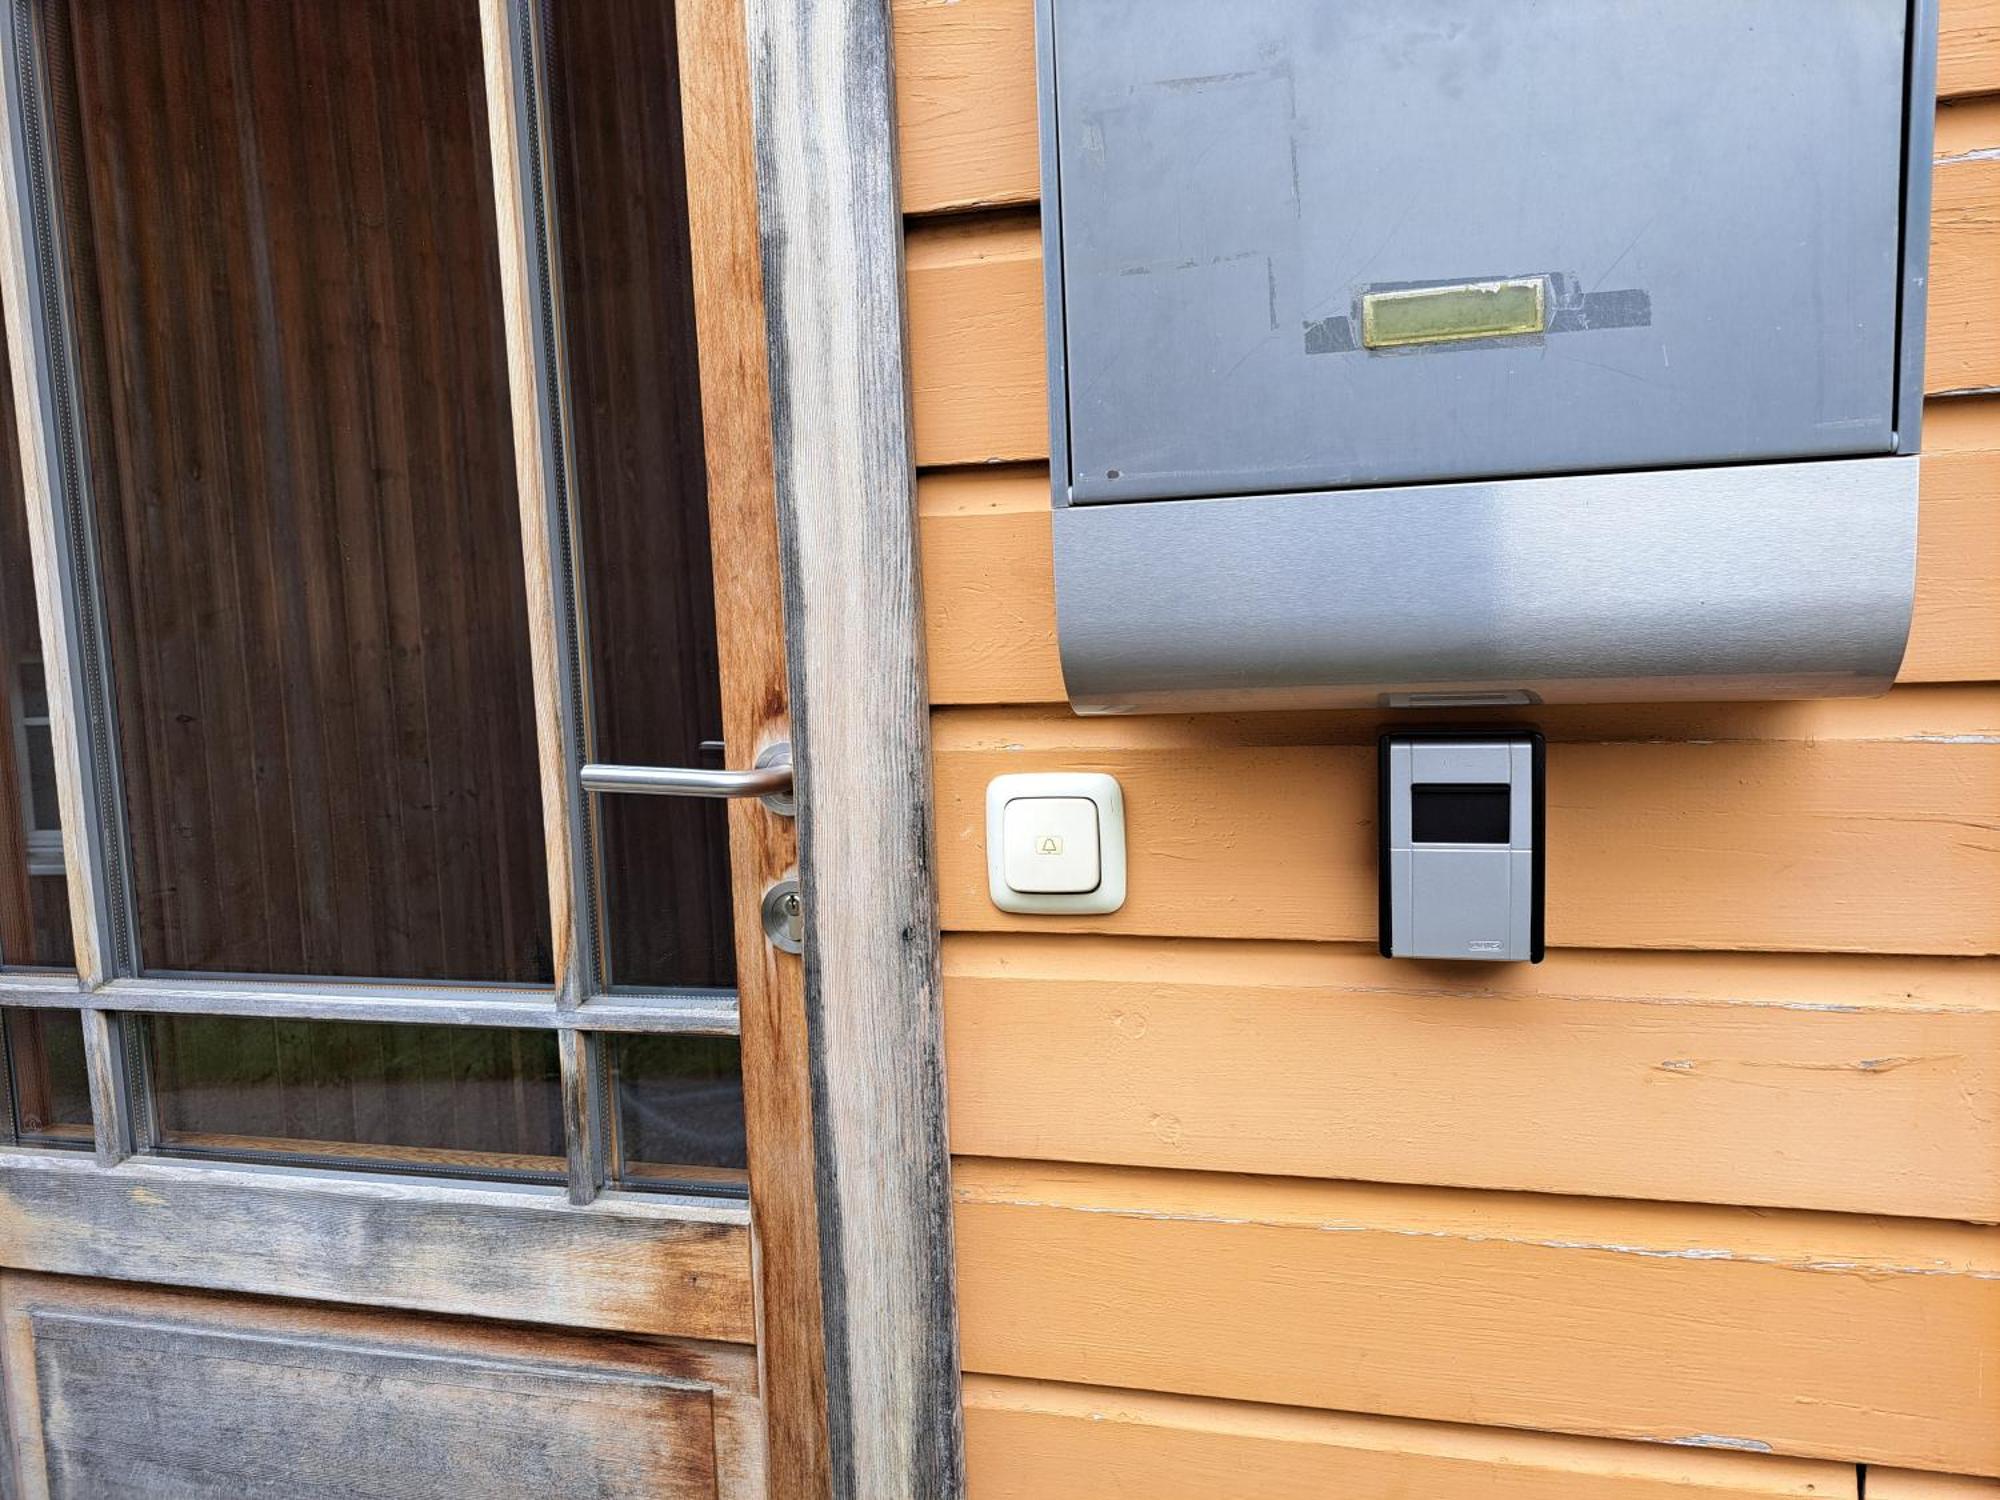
x=1463 y=844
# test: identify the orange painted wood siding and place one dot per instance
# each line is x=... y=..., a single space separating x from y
x=1703 y=1206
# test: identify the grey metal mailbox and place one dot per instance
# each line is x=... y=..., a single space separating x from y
x=1456 y=351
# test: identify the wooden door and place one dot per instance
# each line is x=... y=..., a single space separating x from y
x=393 y=1104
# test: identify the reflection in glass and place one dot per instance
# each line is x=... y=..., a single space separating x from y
x=640 y=482
x=34 y=896
x=48 y=1083
x=680 y=1111
x=464 y=1100
x=283 y=268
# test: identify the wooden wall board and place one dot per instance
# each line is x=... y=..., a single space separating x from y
x=1813 y=1335
x=1955 y=630
x=1902 y=1484
x=1962 y=345
x=965 y=103
x=1035 y=1440
x=965 y=76
x=1842 y=825
x=1966 y=127
x=989 y=571
x=1865 y=1085
x=1968 y=47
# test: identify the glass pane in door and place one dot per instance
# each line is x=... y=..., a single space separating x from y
x=48 y=1082
x=283 y=269
x=680 y=1112
x=460 y=1100
x=34 y=892
x=638 y=481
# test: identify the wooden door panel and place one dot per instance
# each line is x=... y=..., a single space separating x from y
x=123 y=1390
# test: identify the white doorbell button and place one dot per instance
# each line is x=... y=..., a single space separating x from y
x=1055 y=843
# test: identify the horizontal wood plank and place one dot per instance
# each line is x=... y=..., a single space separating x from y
x=1842 y=825
x=1866 y=1085
x=1962 y=344
x=1812 y=1335
x=989 y=573
x=1032 y=1440
x=620 y=1264
x=1901 y=1484
x=965 y=94
x=965 y=103
x=979 y=383
x=1968 y=47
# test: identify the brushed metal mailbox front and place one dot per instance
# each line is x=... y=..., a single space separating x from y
x=1457 y=351
x=1707 y=193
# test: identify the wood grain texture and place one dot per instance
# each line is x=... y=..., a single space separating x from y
x=965 y=93
x=134 y=1390
x=736 y=419
x=584 y=1111
x=1866 y=1085
x=1955 y=630
x=1810 y=1335
x=1902 y=1484
x=965 y=103
x=292 y=383
x=624 y=1264
x=113 y=1132
x=833 y=278
x=1033 y=1440
x=989 y=569
x=1968 y=47
x=1840 y=826
x=1962 y=344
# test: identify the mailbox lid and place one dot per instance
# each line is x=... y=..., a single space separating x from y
x=1706 y=197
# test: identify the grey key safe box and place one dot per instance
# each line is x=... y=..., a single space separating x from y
x=1463 y=844
x=1415 y=352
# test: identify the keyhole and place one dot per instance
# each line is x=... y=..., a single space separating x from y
x=785 y=917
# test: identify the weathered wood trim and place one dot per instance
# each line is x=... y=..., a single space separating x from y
x=628 y=1262
x=110 y=1100
x=528 y=292
x=671 y=1418
x=833 y=276
x=718 y=139
x=585 y=1113
x=30 y=283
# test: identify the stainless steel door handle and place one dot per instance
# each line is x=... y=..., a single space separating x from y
x=770 y=779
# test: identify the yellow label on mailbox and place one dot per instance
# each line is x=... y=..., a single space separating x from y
x=1447 y=314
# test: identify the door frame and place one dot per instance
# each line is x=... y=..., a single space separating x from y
x=840 y=1266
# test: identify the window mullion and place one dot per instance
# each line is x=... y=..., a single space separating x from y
x=530 y=295
x=31 y=282
x=585 y=1116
